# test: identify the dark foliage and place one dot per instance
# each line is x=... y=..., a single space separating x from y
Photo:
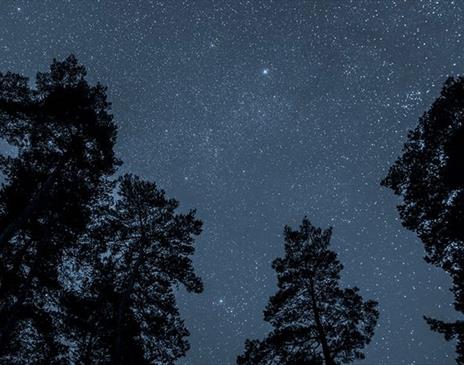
x=429 y=176
x=314 y=320
x=87 y=271
x=64 y=136
x=139 y=250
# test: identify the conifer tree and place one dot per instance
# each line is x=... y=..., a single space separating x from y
x=64 y=136
x=314 y=320
x=139 y=251
x=429 y=177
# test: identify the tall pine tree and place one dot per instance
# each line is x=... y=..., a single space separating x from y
x=314 y=320
x=138 y=252
x=64 y=135
x=429 y=177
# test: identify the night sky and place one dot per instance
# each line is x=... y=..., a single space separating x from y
x=258 y=113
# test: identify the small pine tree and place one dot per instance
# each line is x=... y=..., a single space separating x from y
x=314 y=320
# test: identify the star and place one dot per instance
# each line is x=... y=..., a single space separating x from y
x=265 y=71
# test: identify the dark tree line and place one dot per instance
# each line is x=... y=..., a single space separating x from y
x=429 y=176
x=89 y=263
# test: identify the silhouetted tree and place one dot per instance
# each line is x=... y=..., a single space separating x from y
x=139 y=250
x=429 y=176
x=279 y=348
x=64 y=136
x=314 y=320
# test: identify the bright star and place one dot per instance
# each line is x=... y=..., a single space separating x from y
x=265 y=71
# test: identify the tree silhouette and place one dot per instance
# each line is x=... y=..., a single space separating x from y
x=429 y=176
x=64 y=136
x=314 y=320
x=139 y=250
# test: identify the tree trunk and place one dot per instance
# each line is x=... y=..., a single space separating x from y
x=123 y=305
x=328 y=360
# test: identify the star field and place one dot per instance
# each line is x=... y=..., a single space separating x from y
x=258 y=113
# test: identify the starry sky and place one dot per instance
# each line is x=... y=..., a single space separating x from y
x=258 y=113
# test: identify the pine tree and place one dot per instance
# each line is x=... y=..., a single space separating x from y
x=429 y=177
x=314 y=320
x=64 y=137
x=139 y=252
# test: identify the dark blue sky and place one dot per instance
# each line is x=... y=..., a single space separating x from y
x=258 y=113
